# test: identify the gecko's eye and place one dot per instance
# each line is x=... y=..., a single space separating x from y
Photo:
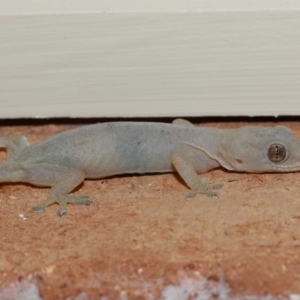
x=276 y=153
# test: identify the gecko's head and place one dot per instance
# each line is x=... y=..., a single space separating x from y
x=263 y=149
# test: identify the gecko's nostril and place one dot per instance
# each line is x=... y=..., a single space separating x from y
x=239 y=161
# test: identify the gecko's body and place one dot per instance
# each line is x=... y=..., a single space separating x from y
x=101 y=150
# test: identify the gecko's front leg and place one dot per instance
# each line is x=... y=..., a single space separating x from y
x=187 y=172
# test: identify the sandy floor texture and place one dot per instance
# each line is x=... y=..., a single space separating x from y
x=141 y=240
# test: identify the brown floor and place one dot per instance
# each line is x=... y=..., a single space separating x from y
x=140 y=234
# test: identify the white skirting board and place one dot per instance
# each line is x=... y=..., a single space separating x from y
x=150 y=63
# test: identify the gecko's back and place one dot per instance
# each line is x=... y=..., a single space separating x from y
x=115 y=148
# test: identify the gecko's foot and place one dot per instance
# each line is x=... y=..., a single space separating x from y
x=62 y=202
x=204 y=188
x=190 y=195
x=215 y=186
x=73 y=199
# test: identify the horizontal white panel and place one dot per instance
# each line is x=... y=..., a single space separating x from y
x=46 y=6
x=150 y=64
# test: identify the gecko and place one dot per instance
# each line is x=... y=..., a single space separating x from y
x=64 y=161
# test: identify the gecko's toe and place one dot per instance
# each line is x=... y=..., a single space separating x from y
x=79 y=199
x=190 y=195
x=88 y=202
x=62 y=210
x=211 y=194
x=216 y=186
x=42 y=206
x=38 y=208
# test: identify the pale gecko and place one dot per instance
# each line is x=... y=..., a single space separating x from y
x=65 y=160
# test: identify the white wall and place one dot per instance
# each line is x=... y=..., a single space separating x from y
x=150 y=58
x=67 y=6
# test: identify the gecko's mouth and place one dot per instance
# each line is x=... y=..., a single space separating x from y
x=293 y=168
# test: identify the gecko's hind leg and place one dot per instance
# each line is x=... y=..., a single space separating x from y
x=186 y=170
x=13 y=144
x=63 y=180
